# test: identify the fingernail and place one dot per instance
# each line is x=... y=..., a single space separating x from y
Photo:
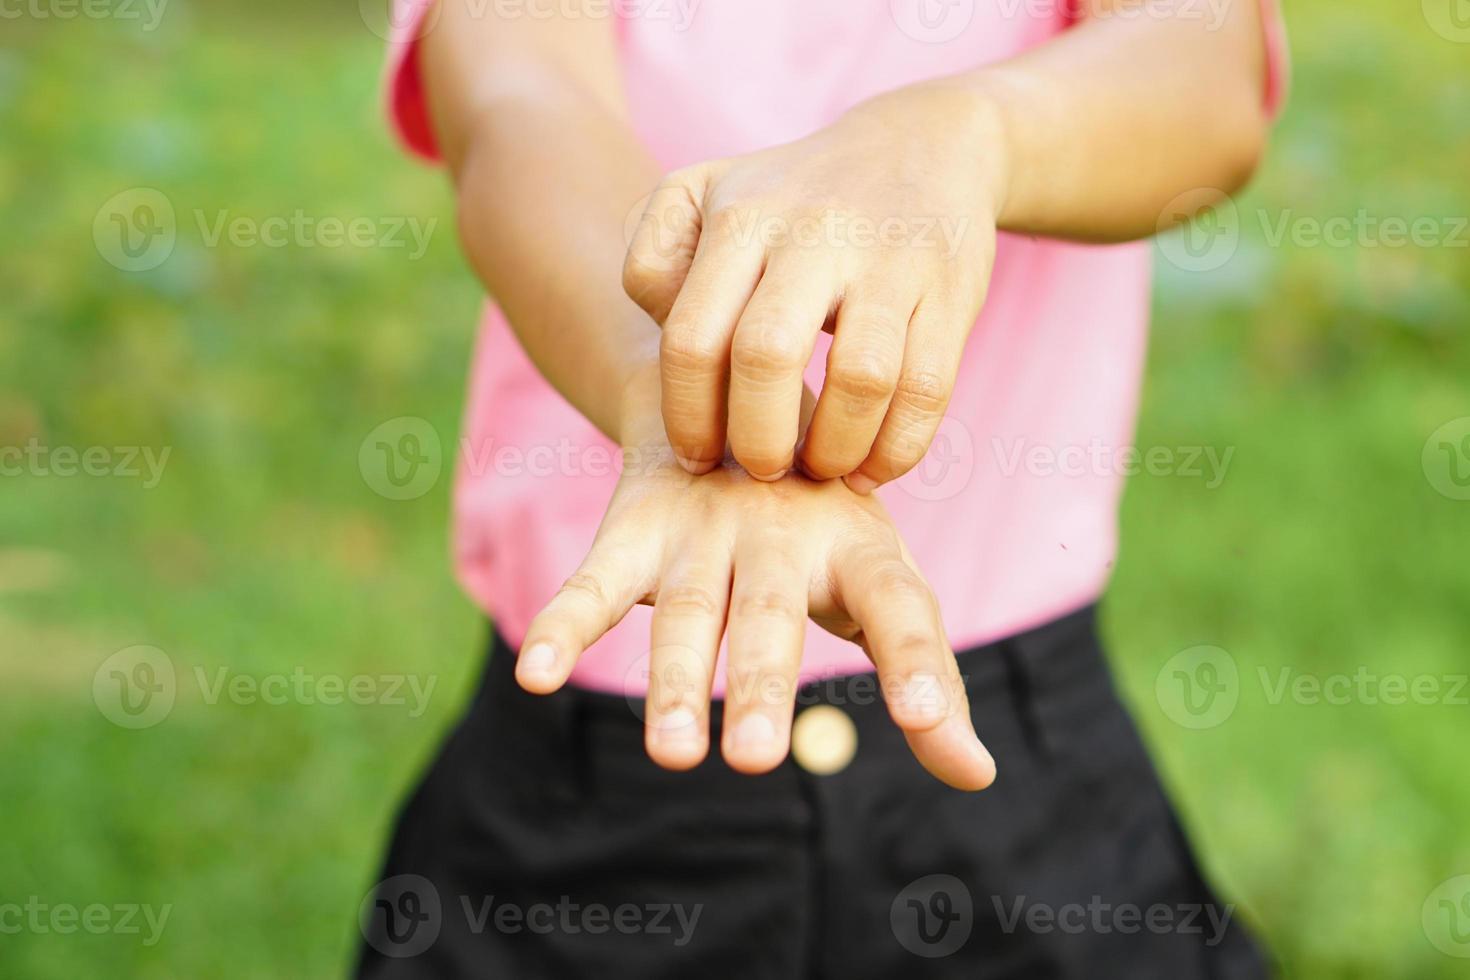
x=958 y=726
x=923 y=696
x=538 y=660
x=754 y=732
x=771 y=477
x=694 y=466
x=986 y=760
x=860 y=483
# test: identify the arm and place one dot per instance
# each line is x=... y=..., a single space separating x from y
x=1088 y=136
x=520 y=106
x=1105 y=125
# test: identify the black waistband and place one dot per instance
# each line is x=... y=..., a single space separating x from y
x=1019 y=663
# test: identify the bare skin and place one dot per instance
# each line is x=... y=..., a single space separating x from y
x=709 y=356
x=745 y=260
x=722 y=554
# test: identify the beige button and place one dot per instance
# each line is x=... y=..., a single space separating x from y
x=823 y=740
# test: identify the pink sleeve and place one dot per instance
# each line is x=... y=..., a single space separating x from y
x=410 y=20
x=1278 y=58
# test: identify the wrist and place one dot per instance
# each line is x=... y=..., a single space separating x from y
x=961 y=125
x=1010 y=99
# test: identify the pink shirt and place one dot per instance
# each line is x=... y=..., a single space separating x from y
x=1012 y=515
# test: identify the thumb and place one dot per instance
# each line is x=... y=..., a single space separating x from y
x=662 y=232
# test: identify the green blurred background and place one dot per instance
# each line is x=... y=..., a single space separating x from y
x=1326 y=551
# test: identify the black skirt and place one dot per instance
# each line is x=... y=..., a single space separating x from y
x=544 y=843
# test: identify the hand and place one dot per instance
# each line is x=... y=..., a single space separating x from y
x=764 y=556
x=880 y=228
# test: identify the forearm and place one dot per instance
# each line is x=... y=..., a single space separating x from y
x=1090 y=135
x=546 y=169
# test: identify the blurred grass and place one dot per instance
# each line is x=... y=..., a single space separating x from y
x=1325 y=548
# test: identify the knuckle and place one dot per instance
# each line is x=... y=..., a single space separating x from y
x=685 y=350
x=586 y=587
x=893 y=461
x=924 y=391
x=864 y=378
x=903 y=444
x=688 y=600
x=912 y=645
x=766 y=604
x=896 y=580
x=767 y=352
x=726 y=223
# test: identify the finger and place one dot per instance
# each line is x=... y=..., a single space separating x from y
x=916 y=668
x=662 y=242
x=688 y=620
x=768 y=609
x=594 y=600
x=694 y=352
x=770 y=350
x=862 y=374
x=931 y=361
